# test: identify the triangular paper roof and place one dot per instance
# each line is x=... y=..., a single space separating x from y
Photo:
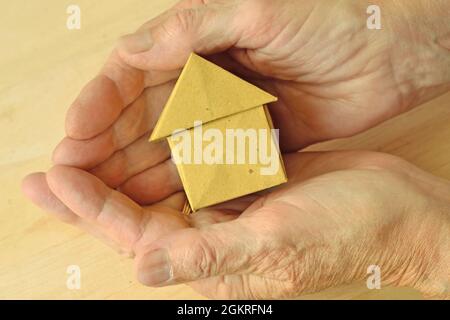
x=206 y=92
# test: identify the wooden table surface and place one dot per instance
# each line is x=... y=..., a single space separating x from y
x=43 y=66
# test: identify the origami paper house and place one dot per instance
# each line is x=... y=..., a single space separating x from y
x=223 y=103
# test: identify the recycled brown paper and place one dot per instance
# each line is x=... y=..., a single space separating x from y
x=223 y=103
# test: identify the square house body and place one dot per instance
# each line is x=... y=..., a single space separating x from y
x=220 y=134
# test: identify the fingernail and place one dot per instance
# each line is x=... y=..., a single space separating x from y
x=136 y=42
x=155 y=269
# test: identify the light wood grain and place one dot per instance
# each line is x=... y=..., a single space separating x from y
x=43 y=65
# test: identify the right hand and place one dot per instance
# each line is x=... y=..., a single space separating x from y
x=339 y=213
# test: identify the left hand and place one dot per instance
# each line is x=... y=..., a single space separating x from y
x=271 y=43
x=109 y=123
x=339 y=213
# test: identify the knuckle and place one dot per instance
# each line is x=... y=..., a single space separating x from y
x=138 y=59
x=181 y=21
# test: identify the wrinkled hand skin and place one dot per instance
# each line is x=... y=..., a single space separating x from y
x=340 y=211
x=332 y=75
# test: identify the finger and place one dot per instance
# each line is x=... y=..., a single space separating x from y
x=135 y=158
x=91 y=200
x=206 y=217
x=84 y=154
x=102 y=100
x=193 y=26
x=237 y=205
x=246 y=58
x=135 y=121
x=230 y=64
x=193 y=254
x=153 y=184
x=176 y=202
x=35 y=187
x=154 y=78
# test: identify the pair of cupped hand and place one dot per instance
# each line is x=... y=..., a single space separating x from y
x=340 y=212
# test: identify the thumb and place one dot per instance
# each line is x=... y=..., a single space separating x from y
x=193 y=254
x=166 y=42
